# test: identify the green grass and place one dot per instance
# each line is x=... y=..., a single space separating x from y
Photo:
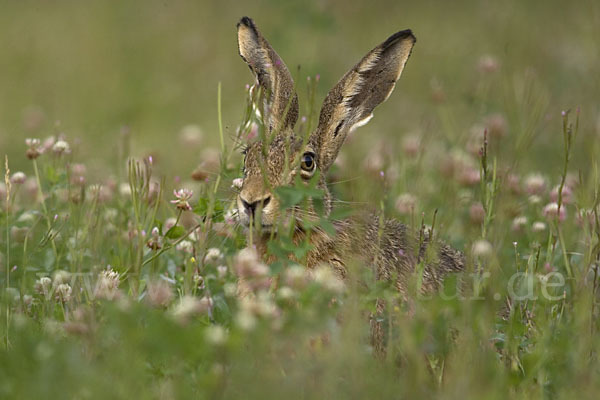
x=122 y=82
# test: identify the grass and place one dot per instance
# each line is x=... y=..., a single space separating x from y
x=114 y=286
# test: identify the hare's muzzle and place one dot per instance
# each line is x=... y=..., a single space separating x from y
x=252 y=208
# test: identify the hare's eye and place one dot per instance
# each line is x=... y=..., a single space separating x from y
x=308 y=164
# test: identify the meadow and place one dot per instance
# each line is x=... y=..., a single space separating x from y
x=122 y=126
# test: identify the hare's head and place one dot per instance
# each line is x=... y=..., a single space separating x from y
x=283 y=155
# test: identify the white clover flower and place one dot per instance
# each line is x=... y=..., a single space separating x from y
x=169 y=223
x=61 y=147
x=125 y=189
x=237 y=183
x=32 y=142
x=567 y=195
x=63 y=292
x=27 y=300
x=325 y=276
x=222 y=271
x=518 y=223
x=43 y=285
x=159 y=293
x=296 y=276
x=185 y=246
x=261 y=305
x=247 y=264
x=61 y=276
x=190 y=306
x=488 y=64
x=411 y=145
x=215 y=334
x=198 y=280
x=245 y=320
x=286 y=293
x=181 y=199
x=230 y=289
x=535 y=184
x=551 y=211
x=213 y=254
x=155 y=241
x=18 y=178
x=231 y=216
x=107 y=285
x=538 y=226
x=33 y=148
x=477 y=213
x=534 y=199
x=48 y=143
x=405 y=203
x=191 y=135
x=482 y=248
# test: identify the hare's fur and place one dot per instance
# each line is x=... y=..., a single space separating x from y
x=388 y=247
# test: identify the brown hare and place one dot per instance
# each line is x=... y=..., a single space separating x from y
x=388 y=247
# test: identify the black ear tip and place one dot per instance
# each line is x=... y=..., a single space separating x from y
x=246 y=21
x=407 y=33
x=398 y=36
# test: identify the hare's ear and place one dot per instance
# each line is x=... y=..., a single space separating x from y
x=280 y=107
x=351 y=102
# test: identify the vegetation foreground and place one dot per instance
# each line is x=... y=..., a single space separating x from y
x=121 y=289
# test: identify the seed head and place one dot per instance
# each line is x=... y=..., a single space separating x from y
x=33 y=148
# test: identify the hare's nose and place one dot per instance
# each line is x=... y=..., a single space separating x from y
x=250 y=208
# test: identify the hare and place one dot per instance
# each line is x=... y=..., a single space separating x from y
x=389 y=247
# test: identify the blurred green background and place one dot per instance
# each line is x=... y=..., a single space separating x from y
x=91 y=69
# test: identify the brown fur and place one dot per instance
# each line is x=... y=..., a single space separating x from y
x=390 y=249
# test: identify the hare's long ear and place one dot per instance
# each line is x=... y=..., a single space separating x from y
x=351 y=102
x=273 y=77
